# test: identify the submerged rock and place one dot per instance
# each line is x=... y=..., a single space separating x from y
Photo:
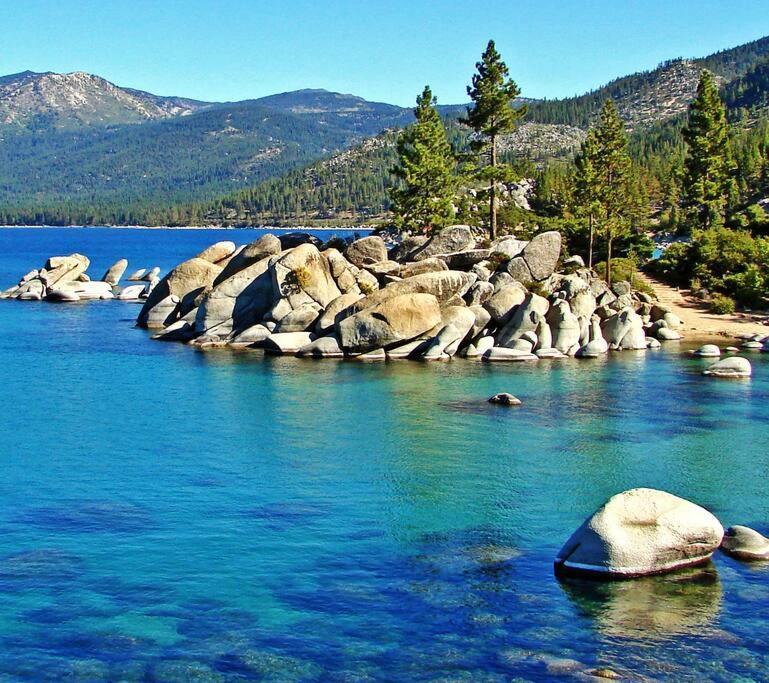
x=505 y=399
x=641 y=532
x=745 y=543
x=707 y=351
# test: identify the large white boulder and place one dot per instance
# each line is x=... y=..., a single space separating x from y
x=734 y=366
x=303 y=269
x=395 y=320
x=447 y=241
x=640 y=532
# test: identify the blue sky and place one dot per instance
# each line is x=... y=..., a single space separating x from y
x=382 y=50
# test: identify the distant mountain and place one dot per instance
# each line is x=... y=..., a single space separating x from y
x=77 y=140
x=43 y=101
x=317 y=101
x=748 y=95
x=178 y=158
x=647 y=97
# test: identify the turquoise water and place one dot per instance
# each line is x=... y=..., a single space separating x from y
x=171 y=514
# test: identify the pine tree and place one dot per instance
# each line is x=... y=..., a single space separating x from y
x=490 y=116
x=426 y=165
x=708 y=164
x=586 y=199
x=613 y=178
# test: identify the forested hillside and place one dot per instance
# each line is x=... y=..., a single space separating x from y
x=75 y=148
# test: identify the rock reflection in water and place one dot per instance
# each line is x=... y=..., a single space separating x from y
x=652 y=607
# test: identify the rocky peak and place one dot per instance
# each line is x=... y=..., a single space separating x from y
x=30 y=99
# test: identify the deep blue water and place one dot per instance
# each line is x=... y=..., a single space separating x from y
x=171 y=514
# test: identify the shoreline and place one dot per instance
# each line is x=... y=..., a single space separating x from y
x=299 y=228
x=699 y=323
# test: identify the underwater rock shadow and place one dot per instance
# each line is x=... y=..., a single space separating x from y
x=91 y=516
x=649 y=608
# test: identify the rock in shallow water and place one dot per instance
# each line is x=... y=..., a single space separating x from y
x=745 y=543
x=734 y=366
x=707 y=351
x=505 y=399
x=641 y=532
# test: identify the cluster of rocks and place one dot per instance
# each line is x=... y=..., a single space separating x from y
x=643 y=531
x=429 y=298
x=65 y=279
x=730 y=367
x=754 y=342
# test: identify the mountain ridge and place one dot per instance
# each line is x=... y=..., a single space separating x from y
x=78 y=139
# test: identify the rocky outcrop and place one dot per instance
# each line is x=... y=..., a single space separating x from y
x=638 y=533
x=181 y=287
x=429 y=298
x=237 y=302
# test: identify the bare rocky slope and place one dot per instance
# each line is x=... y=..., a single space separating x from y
x=72 y=100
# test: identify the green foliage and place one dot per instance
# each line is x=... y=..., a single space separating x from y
x=491 y=115
x=748 y=94
x=722 y=260
x=586 y=199
x=720 y=304
x=537 y=288
x=423 y=201
x=708 y=164
x=603 y=180
x=624 y=269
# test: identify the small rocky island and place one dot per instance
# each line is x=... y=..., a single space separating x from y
x=417 y=298
x=429 y=298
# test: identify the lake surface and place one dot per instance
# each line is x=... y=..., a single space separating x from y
x=170 y=514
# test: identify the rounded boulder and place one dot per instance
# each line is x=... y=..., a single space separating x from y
x=638 y=533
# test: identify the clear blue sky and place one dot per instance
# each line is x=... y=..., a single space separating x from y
x=383 y=50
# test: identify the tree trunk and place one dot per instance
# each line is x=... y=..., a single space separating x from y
x=492 y=192
x=608 y=261
x=590 y=250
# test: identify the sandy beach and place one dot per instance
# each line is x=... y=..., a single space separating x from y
x=699 y=322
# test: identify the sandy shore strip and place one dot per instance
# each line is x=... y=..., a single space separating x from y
x=699 y=322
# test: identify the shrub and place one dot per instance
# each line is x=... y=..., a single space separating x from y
x=537 y=288
x=495 y=261
x=303 y=276
x=720 y=304
x=366 y=288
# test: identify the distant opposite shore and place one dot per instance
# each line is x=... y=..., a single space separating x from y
x=293 y=228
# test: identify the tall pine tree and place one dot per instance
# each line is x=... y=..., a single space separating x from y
x=613 y=172
x=707 y=167
x=586 y=199
x=426 y=163
x=490 y=116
